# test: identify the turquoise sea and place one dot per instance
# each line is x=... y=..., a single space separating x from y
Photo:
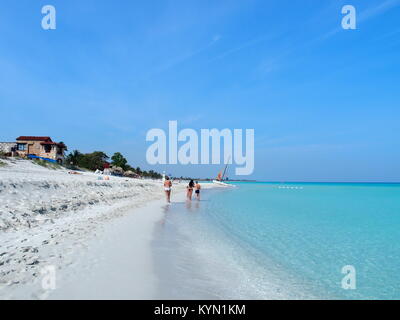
x=282 y=241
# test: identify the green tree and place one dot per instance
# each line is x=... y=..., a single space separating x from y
x=119 y=160
x=74 y=158
x=93 y=161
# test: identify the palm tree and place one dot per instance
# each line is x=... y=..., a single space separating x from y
x=74 y=157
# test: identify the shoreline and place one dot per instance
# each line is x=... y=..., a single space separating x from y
x=125 y=268
x=199 y=257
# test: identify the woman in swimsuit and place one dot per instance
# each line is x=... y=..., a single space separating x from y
x=198 y=187
x=190 y=190
x=167 y=188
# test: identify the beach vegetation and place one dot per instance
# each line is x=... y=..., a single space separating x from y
x=96 y=161
x=73 y=159
x=47 y=164
x=118 y=160
x=91 y=161
x=151 y=174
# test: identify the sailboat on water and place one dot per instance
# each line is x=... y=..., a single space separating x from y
x=221 y=176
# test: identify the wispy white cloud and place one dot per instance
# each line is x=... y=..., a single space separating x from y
x=178 y=60
x=379 y=9
x=244 y=45
x=271 y=63
x=181 y=59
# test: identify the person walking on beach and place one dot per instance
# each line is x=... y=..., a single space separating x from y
x=197 y=187
x=190 y=190
x=167 y=188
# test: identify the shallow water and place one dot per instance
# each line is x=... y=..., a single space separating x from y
x=279 y=241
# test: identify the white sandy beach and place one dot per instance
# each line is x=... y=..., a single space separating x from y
x=96 y=234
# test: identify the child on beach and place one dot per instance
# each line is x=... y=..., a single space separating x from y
x=167 y=188
x=198 y=187
x=190 y=190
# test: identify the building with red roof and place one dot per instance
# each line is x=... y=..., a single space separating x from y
x=42 y=147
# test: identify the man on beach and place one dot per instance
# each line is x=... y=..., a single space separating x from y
x=197 y=187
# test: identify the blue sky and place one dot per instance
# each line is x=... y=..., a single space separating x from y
x=324 y=102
